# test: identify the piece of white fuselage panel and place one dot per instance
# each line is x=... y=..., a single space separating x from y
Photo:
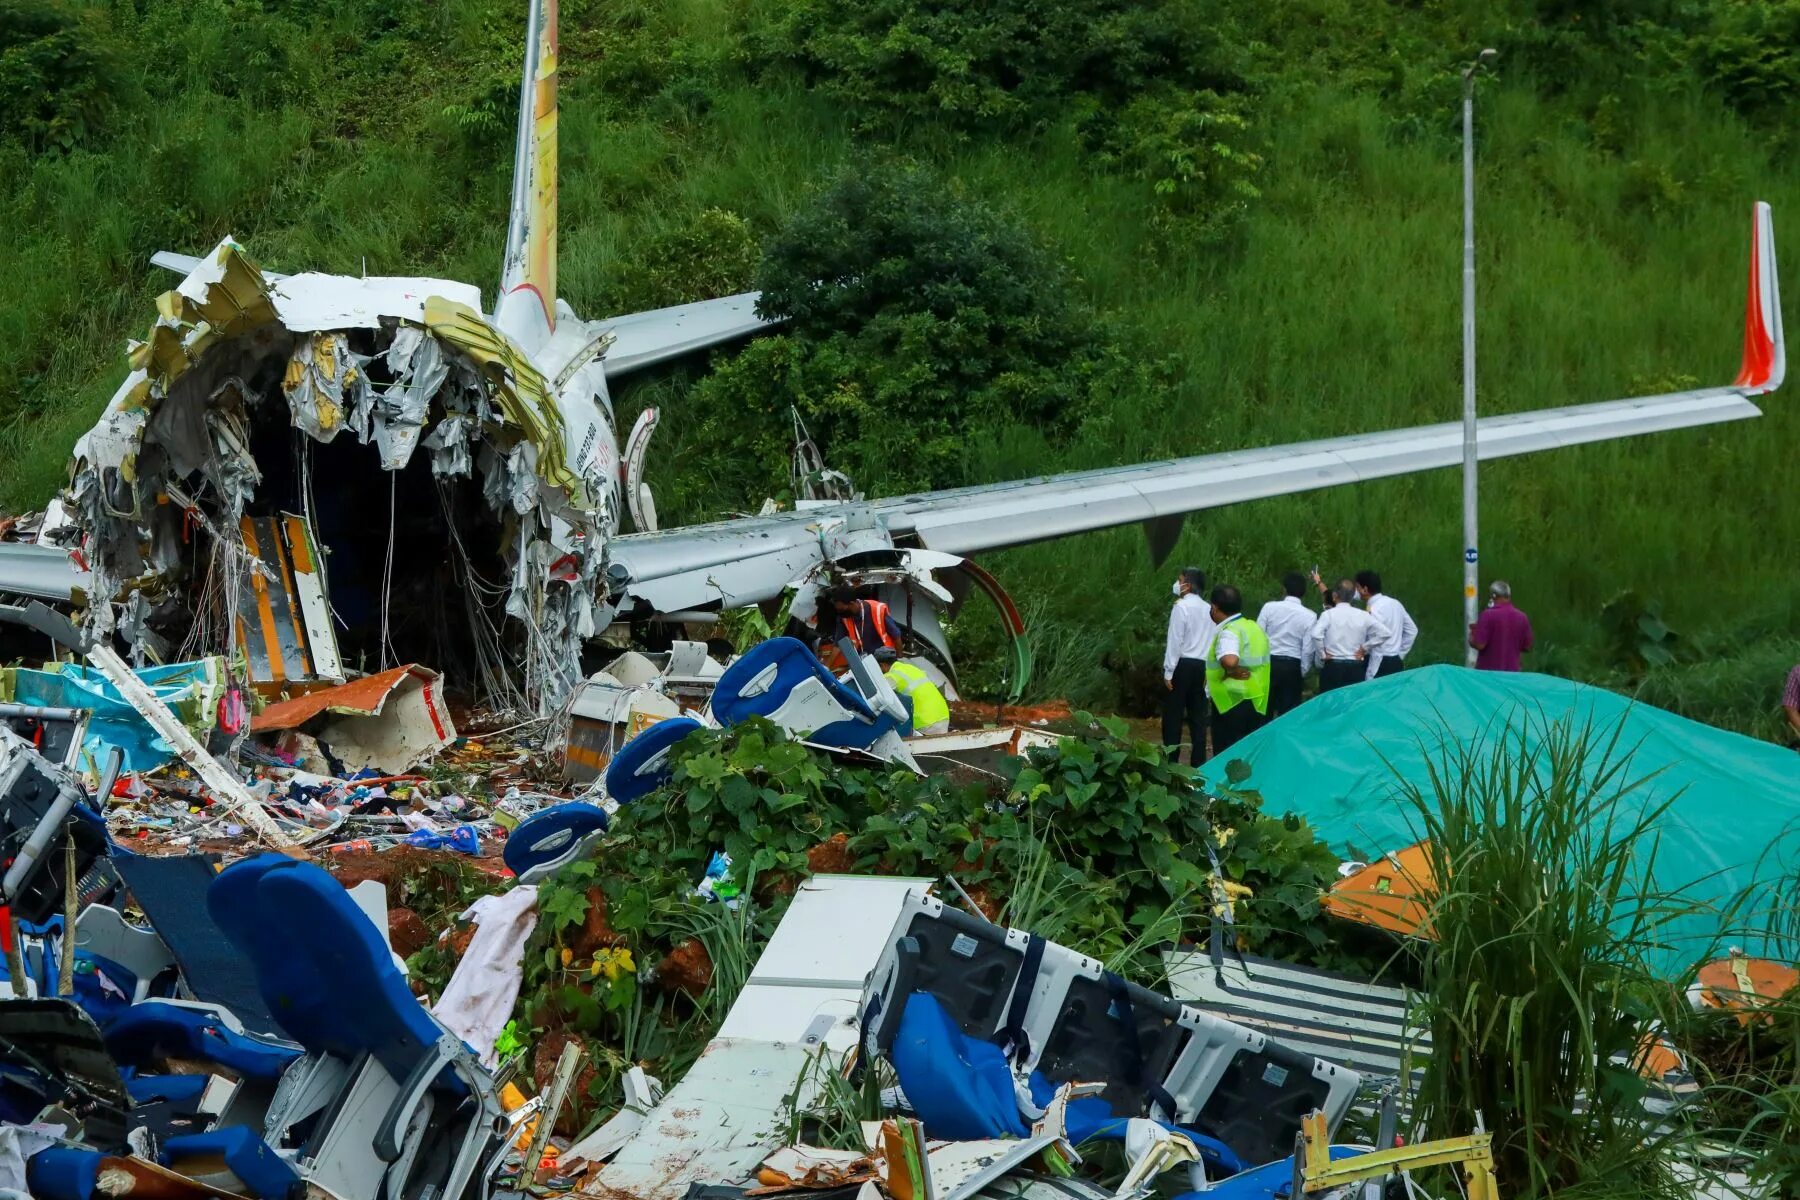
x=591 y=444
x=312 y=302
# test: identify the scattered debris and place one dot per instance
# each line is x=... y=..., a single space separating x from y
x=392 y=721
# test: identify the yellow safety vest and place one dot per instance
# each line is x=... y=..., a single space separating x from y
x=927 y=702
x=1253 y=655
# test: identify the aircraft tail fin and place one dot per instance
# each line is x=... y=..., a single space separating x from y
x=526 y=309
x=1765 y=348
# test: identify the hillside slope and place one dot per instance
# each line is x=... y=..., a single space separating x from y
x=1257 y=212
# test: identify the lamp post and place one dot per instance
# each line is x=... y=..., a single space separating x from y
x=1471 y=526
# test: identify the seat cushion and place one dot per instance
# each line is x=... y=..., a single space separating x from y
x=300 y=1004
x=860 y=735
x=367 y=1007
x=1091 y=1118
x=961 y=1087
x=146 y=1033
x=172 y=892
x=545 y=837
x=264 y=1173
x=63 y=1173
x=182 y=1091
x=642 y=764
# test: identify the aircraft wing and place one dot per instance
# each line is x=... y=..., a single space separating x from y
x=647 y=338
x=751 y=559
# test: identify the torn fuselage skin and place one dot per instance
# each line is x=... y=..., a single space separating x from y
x=469 y=486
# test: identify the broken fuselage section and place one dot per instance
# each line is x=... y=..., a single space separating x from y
x=334 y=474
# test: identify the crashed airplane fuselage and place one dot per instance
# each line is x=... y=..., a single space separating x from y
x=304 y=395
x=340 y=473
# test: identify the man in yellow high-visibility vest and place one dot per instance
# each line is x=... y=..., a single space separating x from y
x=1237 y=670
x=931 y=712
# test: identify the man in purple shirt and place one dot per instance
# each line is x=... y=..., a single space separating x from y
x=1501 y=633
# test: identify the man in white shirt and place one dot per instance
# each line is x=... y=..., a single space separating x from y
x=1184 y=666
x=1343 y=636
x=1390 y=655
x=1289 y=626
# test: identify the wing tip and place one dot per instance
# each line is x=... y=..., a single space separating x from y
x=1764 y=364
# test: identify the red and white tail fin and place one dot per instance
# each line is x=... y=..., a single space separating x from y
x=1765 y=349
x=526 y=308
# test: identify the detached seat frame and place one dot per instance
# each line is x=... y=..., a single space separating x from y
x=784 y=682
x=375 y=1058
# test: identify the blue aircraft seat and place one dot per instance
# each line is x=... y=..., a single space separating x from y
x=784 y=682
x=642 y=764
x=962 y=1087
x=548 y=840
x=762 y=682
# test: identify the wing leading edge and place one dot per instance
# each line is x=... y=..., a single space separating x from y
x=749 y=560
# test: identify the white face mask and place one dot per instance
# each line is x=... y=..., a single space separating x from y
x=1177 y=588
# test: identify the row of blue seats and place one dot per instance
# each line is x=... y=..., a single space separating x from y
x=385 y=1077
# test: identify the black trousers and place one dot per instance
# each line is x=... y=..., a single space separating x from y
x=1186 y=700
x=1240 y=720
x=1392 y=664
x=1285 y=684
x=1341 y=672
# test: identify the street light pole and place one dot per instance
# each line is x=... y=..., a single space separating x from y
x=1471 y=525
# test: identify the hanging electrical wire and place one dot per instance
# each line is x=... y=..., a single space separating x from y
x=388 y=657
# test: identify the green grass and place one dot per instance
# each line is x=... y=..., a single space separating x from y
x=1612 y=260
x=1536 y=973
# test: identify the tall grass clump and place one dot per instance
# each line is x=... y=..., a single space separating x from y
x=1537 y=978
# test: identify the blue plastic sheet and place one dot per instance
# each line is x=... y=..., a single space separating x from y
x=191 y=689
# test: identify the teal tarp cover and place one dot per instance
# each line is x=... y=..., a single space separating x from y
x=189 y=688
x=1734 y=820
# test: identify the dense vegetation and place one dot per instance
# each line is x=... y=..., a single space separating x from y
x=1537 y=984
x=1100 y=843
x=1042 y=238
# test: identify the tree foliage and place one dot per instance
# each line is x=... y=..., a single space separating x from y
x=988 y=64
x=58 y=74
x=915 y=315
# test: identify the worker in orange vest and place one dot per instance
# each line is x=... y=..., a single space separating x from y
x=867 y=623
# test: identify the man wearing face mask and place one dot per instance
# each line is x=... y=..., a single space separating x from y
x=1184 y=666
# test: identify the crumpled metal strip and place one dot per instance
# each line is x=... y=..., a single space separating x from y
x=419 y=368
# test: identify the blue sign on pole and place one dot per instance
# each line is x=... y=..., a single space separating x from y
x=1469 y=555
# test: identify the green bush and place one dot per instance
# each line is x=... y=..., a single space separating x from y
x=1191 y=147
x=60 y=73
x=1100 y=842
x=712 y=254
x=986 y=64
x=915 y=315
x=1751 y=56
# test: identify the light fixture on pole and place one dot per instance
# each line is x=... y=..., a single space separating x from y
x=1471 y=525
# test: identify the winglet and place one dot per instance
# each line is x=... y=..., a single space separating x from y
x=1765 y=349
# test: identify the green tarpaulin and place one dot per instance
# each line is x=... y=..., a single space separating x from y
x=1335 y=760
